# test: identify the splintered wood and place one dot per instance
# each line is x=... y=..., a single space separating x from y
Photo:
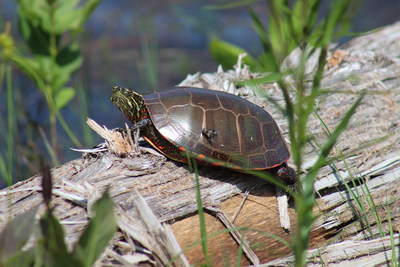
x=155 y=198
x=118 y=141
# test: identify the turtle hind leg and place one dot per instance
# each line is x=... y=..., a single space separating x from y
x=286 y=174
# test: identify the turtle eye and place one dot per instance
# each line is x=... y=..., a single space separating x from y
x=115 y=89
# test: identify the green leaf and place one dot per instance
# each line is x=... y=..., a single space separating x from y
x=70 y=18
x=312 y=18
x=59 y=71
x=21 y=259
x=260 y=30
x=227 y=54
x=37 y=12
x=15 y=234
x=52 y=246
x=64 y=96
x=264 y=79
x=68 y=61
x=67 y=17
x=36 y=38
x=46 y=67
x=87 y=9
x=267 y=61
x=55 y=17
x=36 y=25
x=98 y=232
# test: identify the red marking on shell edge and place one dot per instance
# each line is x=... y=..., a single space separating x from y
x=182 y=149
x=218 y=163
x=159 y=148
x=271 y=167
x=276 y=165
x=236 y=168
x=201 y=156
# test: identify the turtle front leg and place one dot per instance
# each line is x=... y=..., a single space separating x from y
x=137 y=127
x=140 y=124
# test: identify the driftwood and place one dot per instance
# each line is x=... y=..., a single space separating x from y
x=145 y=185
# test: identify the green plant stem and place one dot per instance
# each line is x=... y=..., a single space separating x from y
x=61 y=120
x=6 y=162
x=11 y=126
x=49 y=100
x=84 y=111
x=200 y=208
x=53 y=131
x=393 y=258
x=51 y=88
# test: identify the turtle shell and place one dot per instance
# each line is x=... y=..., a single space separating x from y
x=218 y=127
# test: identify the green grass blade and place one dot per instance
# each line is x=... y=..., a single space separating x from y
x=352 y=192
x=82 y=97
x=11 y=126
x=6 y=161
x=231 y=5
x=372 y=207
x=393 y=259
x=49 y=148
x=270 y=62
x=333 y=138
x=53 y=248
x=200 y=209
x=268 y=78
x=3 y=169
x=227 y=54
x=149 y=52
x=239 y=253
x=305 y=198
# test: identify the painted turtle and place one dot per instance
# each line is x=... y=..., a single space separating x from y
x=217 y=128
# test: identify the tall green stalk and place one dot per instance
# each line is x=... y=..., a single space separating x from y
x=294 y=25
x=6 y=161
x=11 y=125
x=200 y=208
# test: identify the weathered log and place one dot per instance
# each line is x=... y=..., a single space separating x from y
x=365 y=168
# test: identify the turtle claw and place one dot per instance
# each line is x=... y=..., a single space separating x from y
x=140 y=124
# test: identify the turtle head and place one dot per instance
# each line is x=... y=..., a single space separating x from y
x=129 y=102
